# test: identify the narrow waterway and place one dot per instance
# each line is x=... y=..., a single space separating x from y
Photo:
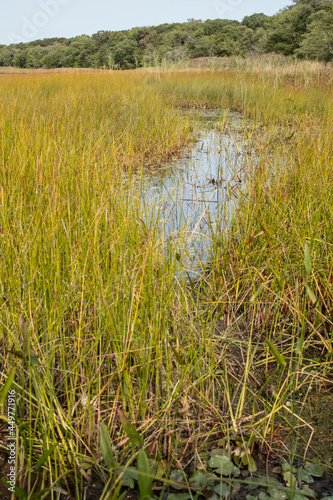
x=193 y=195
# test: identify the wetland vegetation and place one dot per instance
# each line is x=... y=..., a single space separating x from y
x=109 y=346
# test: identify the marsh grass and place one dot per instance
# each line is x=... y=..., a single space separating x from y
x=93 y=312
x=264 y=63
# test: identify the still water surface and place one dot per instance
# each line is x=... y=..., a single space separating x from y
x=193 y=195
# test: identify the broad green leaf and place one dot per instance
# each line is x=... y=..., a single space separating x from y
x=45 y=456
x=177 y=476
x=131 y=472
x=308 y=493
x=7 y=386
x=226 y=489
x=222 y=489
x=253 y=482
x=272 y=482
x=133 y=435
x=305 y=476
x=21 y=494
x=145 y=480
x=277 y=493
x=223 y=465
x=235 y=487
x=307 y=258
x=200 y=479
x=127 y=480
x=106 y=446
x=218 y=461
x=226 y=469
x=279 y=358
x=315 y=470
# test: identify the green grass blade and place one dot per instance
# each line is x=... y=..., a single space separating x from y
x=278 y=356
x=45 y=456
x=6 y=387
x=133 y=435
x=145 y=476
x=307 y=258
x=311 y=295
x=256 y=295
x=106 y=446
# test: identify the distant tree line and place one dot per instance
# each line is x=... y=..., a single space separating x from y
x=304 y=29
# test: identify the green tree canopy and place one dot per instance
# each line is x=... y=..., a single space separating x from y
x=125 y=54
x=304 y=29
x=317 y=43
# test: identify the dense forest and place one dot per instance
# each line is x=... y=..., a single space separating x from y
x=304 y=29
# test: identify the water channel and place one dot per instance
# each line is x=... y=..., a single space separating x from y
x=192 y=196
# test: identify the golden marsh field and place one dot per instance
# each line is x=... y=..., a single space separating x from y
x=108 y=349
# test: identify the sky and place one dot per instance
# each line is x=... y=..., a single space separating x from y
x=26 y=20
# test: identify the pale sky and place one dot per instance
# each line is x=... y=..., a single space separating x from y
x=26 y=20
